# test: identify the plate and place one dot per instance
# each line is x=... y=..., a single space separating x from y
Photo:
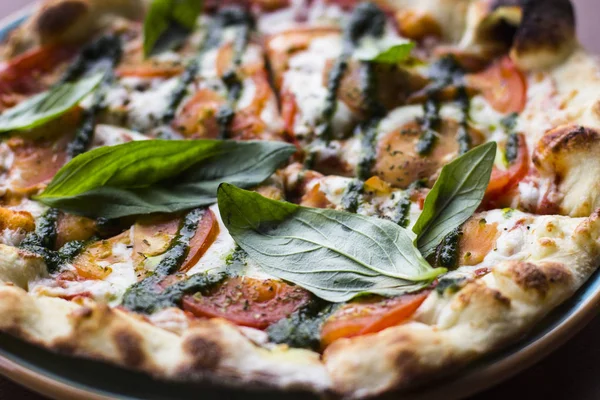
x=64 y=377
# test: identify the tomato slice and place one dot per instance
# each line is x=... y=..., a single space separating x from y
x=71 y=227
x=23 y=75
x=95 y=261
x=477 y=240
x=149 y=70
x=206 y=234
x=198 y=116
x=502 y=181
x=152 y=236
x=42 y=153
x=248 y=302
x=369 y=316
x=503 y=85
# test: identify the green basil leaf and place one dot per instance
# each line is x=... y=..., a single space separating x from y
x=333 y=254
x=159 y=175
x=386 y=51
x=455 y=196
x=48 y=105
x=166 y=14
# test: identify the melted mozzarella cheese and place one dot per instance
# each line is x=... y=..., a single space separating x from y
x=12 y=237
x=109 y=135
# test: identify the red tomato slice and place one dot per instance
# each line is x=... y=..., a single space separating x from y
x=149 y=70
x=87 y=263
x=502 y=181
x=23 y=75
x=71 y=227
x=369 y=316
x=503 y=85
x=153 y=235
x=37 y=160
x=206 y=234
x=198 y=116
x=289 y=108
x=248 y=302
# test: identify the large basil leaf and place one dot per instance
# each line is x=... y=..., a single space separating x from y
x=333 y=254
x=455 y=196
x=48 y=105
x=384 y=51
x=159 y=175
x=168 y=20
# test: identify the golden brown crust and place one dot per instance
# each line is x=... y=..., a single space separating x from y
x=69 y=22
x=569 y=156
x=546 y=35
x=539 y=34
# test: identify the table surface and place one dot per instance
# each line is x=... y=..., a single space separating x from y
x=571 y=372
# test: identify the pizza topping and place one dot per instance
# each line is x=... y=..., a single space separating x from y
x=150 y=176
x=455 y=196
x=168 y=17
x=302 y=328
x=30 y=73
x=503 y=85
x=141 y=296
x=369 y=315
x=504 y=180
x=247 y=302
x=335 y=255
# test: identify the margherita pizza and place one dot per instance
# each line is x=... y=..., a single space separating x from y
x=345 y=197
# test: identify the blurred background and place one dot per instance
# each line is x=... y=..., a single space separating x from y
x=588 y=15
x=569 y=373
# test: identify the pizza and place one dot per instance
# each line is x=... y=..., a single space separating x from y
x=344 y=197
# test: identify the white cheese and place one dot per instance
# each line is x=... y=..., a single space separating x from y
x=12 y=237
x=35 y=208
x=145 y=108
x=109 y=135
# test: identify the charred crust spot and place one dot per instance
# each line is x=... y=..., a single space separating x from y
x=205 y=353
x=128 y=345
x=547 y=24
x=56 y=19
x=532 y=277
x=495 y=4
x=408 y=365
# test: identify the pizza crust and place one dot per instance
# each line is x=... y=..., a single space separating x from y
x=206 y=349
x=448 y=331
x=69 y=22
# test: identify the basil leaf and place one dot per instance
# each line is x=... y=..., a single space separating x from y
x=48 y=105
x=169 y=15
x=455 y=196
x=386 y=51
x=333 y=254
x=159 y=175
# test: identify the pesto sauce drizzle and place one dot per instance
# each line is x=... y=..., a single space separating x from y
x=444 y=72
x=43 y=240
x=366 y=19
x=145 y=295
x=302 y=329
x=369 y=128
x=401 y=214
x=464 y=139
x=230 y=78
x=102 y=54
x=448 y=251
x=511 y=150
x=430 y=124
x=351 y=196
